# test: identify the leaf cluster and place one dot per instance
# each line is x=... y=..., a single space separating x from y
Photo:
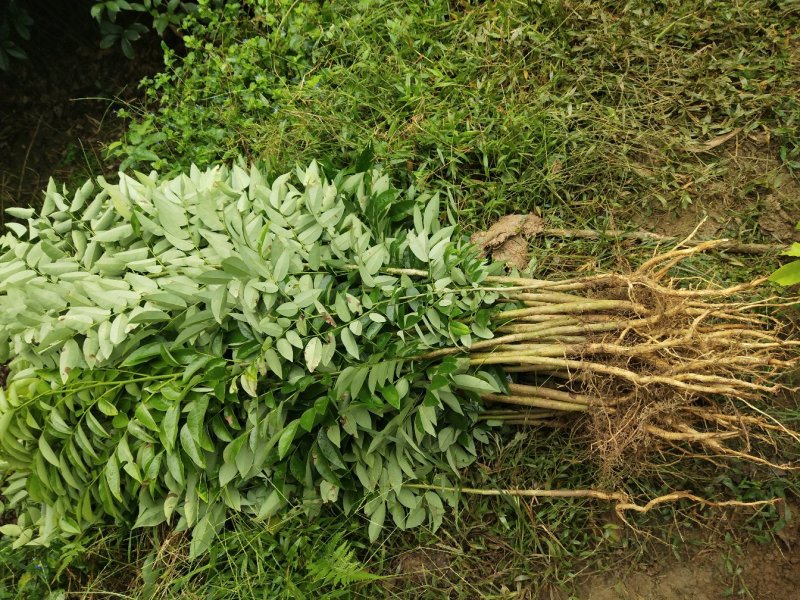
x=163 y=14
x=221 y=342
x=120 y=22
x=15 y=22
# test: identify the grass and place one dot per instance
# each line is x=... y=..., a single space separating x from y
x=592 y=113
x=589 y=111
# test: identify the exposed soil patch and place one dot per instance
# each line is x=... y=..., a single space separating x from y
x=57 y=109
x=760 y=572
x=780 y=214
x=757 y=198
x=764 y=574
x=418 y=568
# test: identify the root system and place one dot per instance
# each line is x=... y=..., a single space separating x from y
x=642 y=363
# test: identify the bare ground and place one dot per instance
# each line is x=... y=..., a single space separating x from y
x=760 y=572
x=757 y=199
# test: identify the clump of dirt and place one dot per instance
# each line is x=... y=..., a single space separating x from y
x=780 y=214
x=419 y=567
x=507 y=239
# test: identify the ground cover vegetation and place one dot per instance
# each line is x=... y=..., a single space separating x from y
x=120 y=22
x=591 y=114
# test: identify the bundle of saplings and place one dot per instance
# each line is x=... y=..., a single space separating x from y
x=181 y=349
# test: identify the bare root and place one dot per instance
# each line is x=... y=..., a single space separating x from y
x=642 y=362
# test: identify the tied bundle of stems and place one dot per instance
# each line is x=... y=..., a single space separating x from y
x=644 y=360
x=221 y=342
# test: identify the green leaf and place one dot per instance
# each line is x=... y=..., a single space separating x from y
x=395 y=474
x=244 y=461
x=171 y=215
x=175 y=467
x=376 y=520
x=435 y=509
x=294 y=339
x=349 y=342
x=112 y=477
x=373 y=259
x=194 y=366
x=329 y=451
x=458 y=329
x=170 y=503
x=287 y=437
x=306 y=298
x=334 y=434
x=357 y=382
x=355 y=327
x=432 y=214
x=249 y=381
x=313 y=354
x=71 y=357
x=11 y=530
x=169 y=426
x=47 y=452
x=328 y=491
x=237 y=267
x=19 y=212
x=202 y=536
x=285 y=348
x=415 y=517
x=342 y=311
x=233 y=448
x=474 y=384
x=142 y=354
x=69 y=526
x=273 y=362
x=227 y=473
x=788 y=274
x=144 y=416
x=418 y=243
x=118 y=329
x=307 y=419
x=214 y=276
x=427 y=416
x=281 y=268
x=391 y=395
x=94 y=425
x=196 y=418
x=150 y=514
x=287 y=309
x=271 y=505
x=191 y=448
x=793 y=250
x=106 y=407
x=219 y=299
